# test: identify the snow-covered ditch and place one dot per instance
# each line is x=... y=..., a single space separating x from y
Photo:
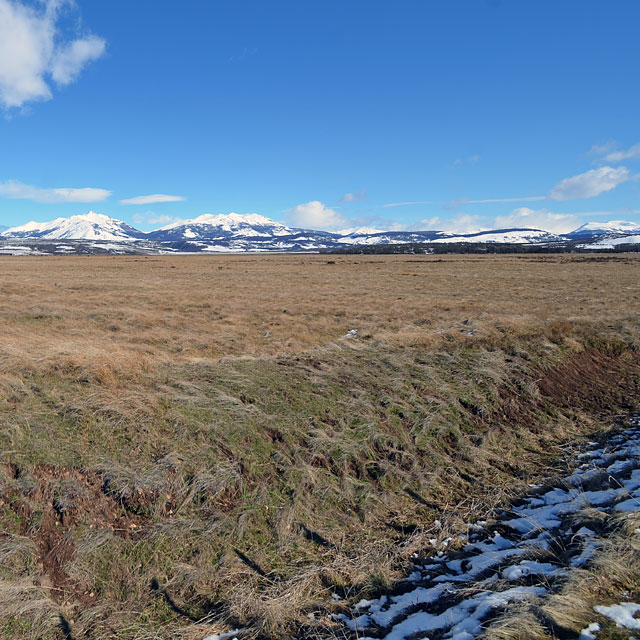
x=528 y=552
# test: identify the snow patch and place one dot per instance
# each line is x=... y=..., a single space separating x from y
x=589 y=633
x=622 y=614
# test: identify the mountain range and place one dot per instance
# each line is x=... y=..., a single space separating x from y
x=252 y=232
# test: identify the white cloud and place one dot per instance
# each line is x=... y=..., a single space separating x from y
x=19 y=191
x=459 y=223
x=538 y=219
x=33 y=49
x=603 y=149
x=316 y=215
x=619 y=156
x=590 y=183
x=404 y=204
x=387 y=225
x=357 y=196
x=152 y=199
x=151 y=218
x=610 y=151
x=69 y=61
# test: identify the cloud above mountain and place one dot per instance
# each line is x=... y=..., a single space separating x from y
x=19 y=191
x=538 y=219
x=356 y=196
x=35 y=52
x=152 y=199
x=316 y=215
x=589 y=184
x=460 y=222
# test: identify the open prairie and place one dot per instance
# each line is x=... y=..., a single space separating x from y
x=191 y=443
x=133 y=312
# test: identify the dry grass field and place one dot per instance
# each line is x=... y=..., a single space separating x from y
x=133 y=312
x=190 y=443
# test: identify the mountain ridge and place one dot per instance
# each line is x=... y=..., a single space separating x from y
x=233 y=232
x=88 y=226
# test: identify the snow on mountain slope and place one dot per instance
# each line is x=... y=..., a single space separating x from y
x=595 y=229
x=358 y=231
x=609 y=242
x=89 y=226
x=253 y=232
x=513 y=236
x=391 y=237
x=517 y=236
x=216 y=227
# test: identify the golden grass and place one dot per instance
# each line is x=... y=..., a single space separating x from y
x=115 y=316
x=199 y=423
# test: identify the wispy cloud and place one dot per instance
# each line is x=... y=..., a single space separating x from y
x=619 y=156
x=34 y=51
x=19 y=191
x=357 y=196
x=151 y=218
x=405 y=204
x=72 y=57
x=603 y=149
x=472 y=159
x=522 y=199
x=454 y=204
x=152 y=199
x=610 y=152
x=316 y=215
x=459 y=223
x=589 y=184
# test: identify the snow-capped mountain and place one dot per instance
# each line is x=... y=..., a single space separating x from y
x=597 y=229
x=89 y=226
x=511 y=236
x=611 y=241
x=388 y=237
x=209 y=227
x=234 y=232
x=95 y=233
x=358 y=231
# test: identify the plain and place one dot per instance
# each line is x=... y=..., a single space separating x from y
x=191 y=444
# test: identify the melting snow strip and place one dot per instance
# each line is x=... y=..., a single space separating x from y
x=527 y=553
x=621 y=614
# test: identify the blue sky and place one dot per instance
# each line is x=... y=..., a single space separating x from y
x=479 y=113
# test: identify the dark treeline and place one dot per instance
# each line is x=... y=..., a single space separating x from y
x=475 y=247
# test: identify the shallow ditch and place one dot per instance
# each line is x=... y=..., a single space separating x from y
x=525 y=553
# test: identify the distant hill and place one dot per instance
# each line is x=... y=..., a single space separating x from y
x=597 y=229
x=233 y=232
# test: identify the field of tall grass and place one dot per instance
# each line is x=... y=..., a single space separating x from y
x=190 y=443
